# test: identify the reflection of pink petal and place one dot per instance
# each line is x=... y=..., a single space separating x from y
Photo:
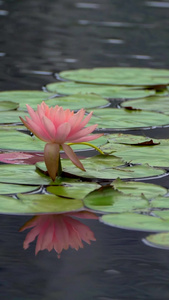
x=59 y=231
x=20 y=158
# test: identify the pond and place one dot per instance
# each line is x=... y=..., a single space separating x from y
x=38 y=39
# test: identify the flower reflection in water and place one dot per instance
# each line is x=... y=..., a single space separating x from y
x=58 y=231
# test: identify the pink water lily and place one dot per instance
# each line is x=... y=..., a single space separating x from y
x=56 y=127
x=59 y=232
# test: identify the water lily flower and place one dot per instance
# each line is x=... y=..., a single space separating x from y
x=56 y=127
x=58 y=231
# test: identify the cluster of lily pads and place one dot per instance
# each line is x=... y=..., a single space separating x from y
x=121 y=99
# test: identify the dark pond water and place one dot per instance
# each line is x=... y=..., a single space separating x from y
x=38 y=38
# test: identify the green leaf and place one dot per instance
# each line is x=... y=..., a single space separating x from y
x=73 y=190
x=159 y=104
x=33 y=98
x=139 y=188
x=106 y=167
x=6 y=188
x=160 y=202
x=106 y=91
x=37 y=204
x=119 y=76
x=8 y=105
x=124 y=146
x=123 y=119
x=108 y=200
x=159 y=240
x=135 y=221
x=78 y=101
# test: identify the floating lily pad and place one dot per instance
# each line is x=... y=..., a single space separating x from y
x=132 y=149
x=17 y=140
x=73 y=190
x=9 y=117
x=33 y=98
x=78 y=101
x=160 y=202
x=159 y=240
x=106 y=91
x=106 y=167
x=124 y=119
x=133 y=188
x=108 y=200
x=159 y=104
x=119 y=76
x=6 y=188
x=135 y=221
x=8 y=105
x=37 y=204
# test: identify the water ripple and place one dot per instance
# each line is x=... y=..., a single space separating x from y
x=157 y=4
x=87 y=5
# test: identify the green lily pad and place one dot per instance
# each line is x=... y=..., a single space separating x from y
x=119 y=76
x=24 y=174
x=159 y=240
x=11 y=116
x=106 y=167
x=159 y=104
x=134 y=188
x=78 y=101
x=160 y=202
x=25 y=142
x=73 y=190
x=37 y=204
x=135 y=221
x=72 y=88
x=8 y=105
x=124 y=119
x=6 y=188
x=108 y=200
x=127 y=147
x=33 y=98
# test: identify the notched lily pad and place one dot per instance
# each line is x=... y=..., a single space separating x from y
x=8 y=105
x=159 y=240
x=157 y=103
x=135 y=221
x=106 y=91
x=123 y=119
x=119 y=76
x=6 y=188
x=124 y=146
x=37 y=204
x=108 y=200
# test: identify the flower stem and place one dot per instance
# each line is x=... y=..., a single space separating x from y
x=59 y=172
x=88 y=144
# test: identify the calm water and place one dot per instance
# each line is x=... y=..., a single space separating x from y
x=38 y=38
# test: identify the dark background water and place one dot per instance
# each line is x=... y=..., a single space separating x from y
x=38 y=38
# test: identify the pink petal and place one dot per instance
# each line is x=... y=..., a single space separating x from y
x=83 y=132
x=62 y=133
x=50 y=128
x=33 y=114
x=51 y=156
x=73 y=157
x=88 y=138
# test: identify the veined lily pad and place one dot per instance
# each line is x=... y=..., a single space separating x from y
x=6 y=188
x=8 y=105
x=106 y=91
x=159 y=104
x=33 y=98
x=73 y=190
x=17 y=140
x=160 y=202
x=119 y=76
x=136 y=221
x=37 y=204
x=78 y=101
x=159 y=240
x=108 y=200
x=132 y=149
x=123 y=119
x=106 y=167
x=134 y=188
